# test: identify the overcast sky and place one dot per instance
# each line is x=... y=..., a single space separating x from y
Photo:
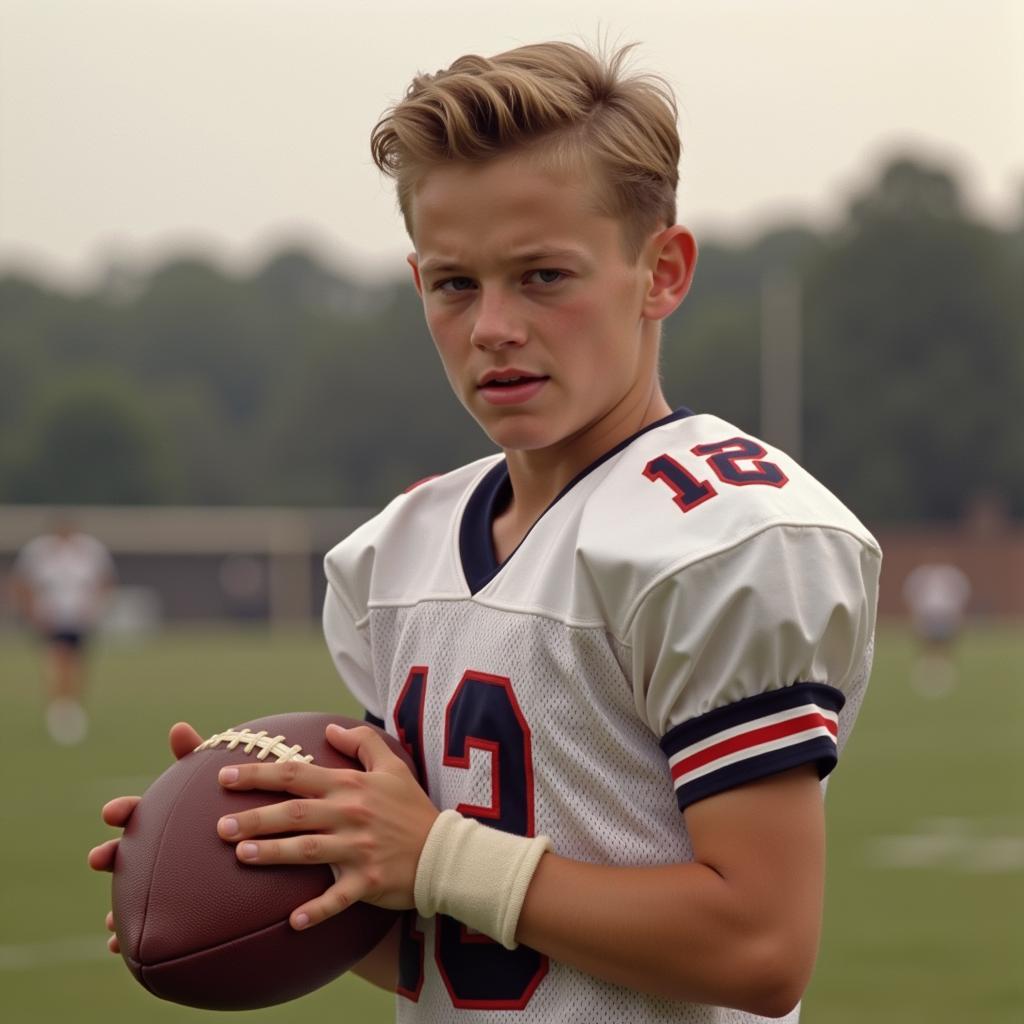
x=136 y=127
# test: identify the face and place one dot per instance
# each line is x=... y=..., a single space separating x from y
x=545 y=327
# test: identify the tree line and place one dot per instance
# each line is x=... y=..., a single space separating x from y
x=296 y=385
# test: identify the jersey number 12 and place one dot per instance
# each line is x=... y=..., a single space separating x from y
x=724 y=457
x=483 y=714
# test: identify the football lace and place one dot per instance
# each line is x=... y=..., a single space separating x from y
x=268 y=745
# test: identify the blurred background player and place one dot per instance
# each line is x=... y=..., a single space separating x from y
x=937 y=595
x=60 y=584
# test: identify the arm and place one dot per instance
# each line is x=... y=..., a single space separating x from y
x=104 y=585
x=23 y=599
x=737 y=927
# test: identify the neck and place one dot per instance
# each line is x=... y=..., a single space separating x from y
x=538 y=477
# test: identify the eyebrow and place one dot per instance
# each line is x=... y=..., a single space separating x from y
x=440 y=264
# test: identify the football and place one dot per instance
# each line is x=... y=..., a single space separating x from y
x=198 y=927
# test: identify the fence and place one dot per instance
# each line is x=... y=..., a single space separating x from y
x=265 y=563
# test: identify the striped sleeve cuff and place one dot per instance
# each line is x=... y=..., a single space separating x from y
x=373 y=719
x=754 y=738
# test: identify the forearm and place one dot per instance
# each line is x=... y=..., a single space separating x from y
x=737 y=927
x=679 y=931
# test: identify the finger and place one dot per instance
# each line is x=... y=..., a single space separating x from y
x=112 y=944
x=307 y=848
x=101 y=858
x=116 y=812
x=296 y=777
x=366 y=745
x=183 y=739
x=334 y=901
x=272 y=819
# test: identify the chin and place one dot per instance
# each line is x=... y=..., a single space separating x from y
x=519 y=437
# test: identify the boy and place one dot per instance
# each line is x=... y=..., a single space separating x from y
x=60 y=584
x=937 y=594
x=623 y=652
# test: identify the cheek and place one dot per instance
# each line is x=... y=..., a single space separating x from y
x=606 y=306
x=448 y=345
x=595 y=329
x=441 y=330
x=578 y=322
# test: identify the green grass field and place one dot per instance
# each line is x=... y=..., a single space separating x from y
x=925 y=910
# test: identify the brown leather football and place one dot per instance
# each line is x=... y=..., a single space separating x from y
x=198 y=927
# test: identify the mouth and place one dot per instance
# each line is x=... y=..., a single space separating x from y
x=510 y=387
x=505 y=379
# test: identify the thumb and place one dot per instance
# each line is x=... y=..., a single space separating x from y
x=183 y=739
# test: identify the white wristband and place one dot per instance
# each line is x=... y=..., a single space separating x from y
x=476 y=874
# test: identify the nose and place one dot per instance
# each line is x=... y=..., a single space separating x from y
x=496 y=324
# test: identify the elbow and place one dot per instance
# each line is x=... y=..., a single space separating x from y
x=761 y=975
x=774 y=1001
x=776 y=980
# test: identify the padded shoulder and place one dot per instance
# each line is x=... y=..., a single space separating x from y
x=686 y=492
x=394 y=554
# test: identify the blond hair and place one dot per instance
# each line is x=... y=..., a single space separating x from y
x=572 y=108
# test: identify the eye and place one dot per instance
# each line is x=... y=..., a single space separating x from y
x=455 y=284
x=546 y=275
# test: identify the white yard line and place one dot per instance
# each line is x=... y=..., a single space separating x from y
x=950 y=844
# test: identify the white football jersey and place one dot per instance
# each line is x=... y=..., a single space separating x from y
x=693 y=612
x=67 y=576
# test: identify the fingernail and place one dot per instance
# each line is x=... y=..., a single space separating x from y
x=247 y=851
x=228 y=775
x=228 y=826
x=301 y=920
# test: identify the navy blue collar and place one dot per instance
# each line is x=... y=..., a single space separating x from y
x=494 y=494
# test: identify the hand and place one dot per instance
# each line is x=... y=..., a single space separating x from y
x=183 y=739
x=369 y=825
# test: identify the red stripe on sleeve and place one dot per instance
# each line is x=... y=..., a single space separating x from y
x=751 y=739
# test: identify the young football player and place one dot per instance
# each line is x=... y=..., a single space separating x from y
x=60 y=583
x=937 y=594
x=623 y=651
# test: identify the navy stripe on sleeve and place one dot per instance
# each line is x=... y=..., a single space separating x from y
x=754 y=738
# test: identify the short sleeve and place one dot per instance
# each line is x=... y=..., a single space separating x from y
x=26 y=560
x=350 y=653
x=106 y=571
x=743 y=662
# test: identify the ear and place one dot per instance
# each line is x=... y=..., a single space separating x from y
x=413 y=262
x=672 y=257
